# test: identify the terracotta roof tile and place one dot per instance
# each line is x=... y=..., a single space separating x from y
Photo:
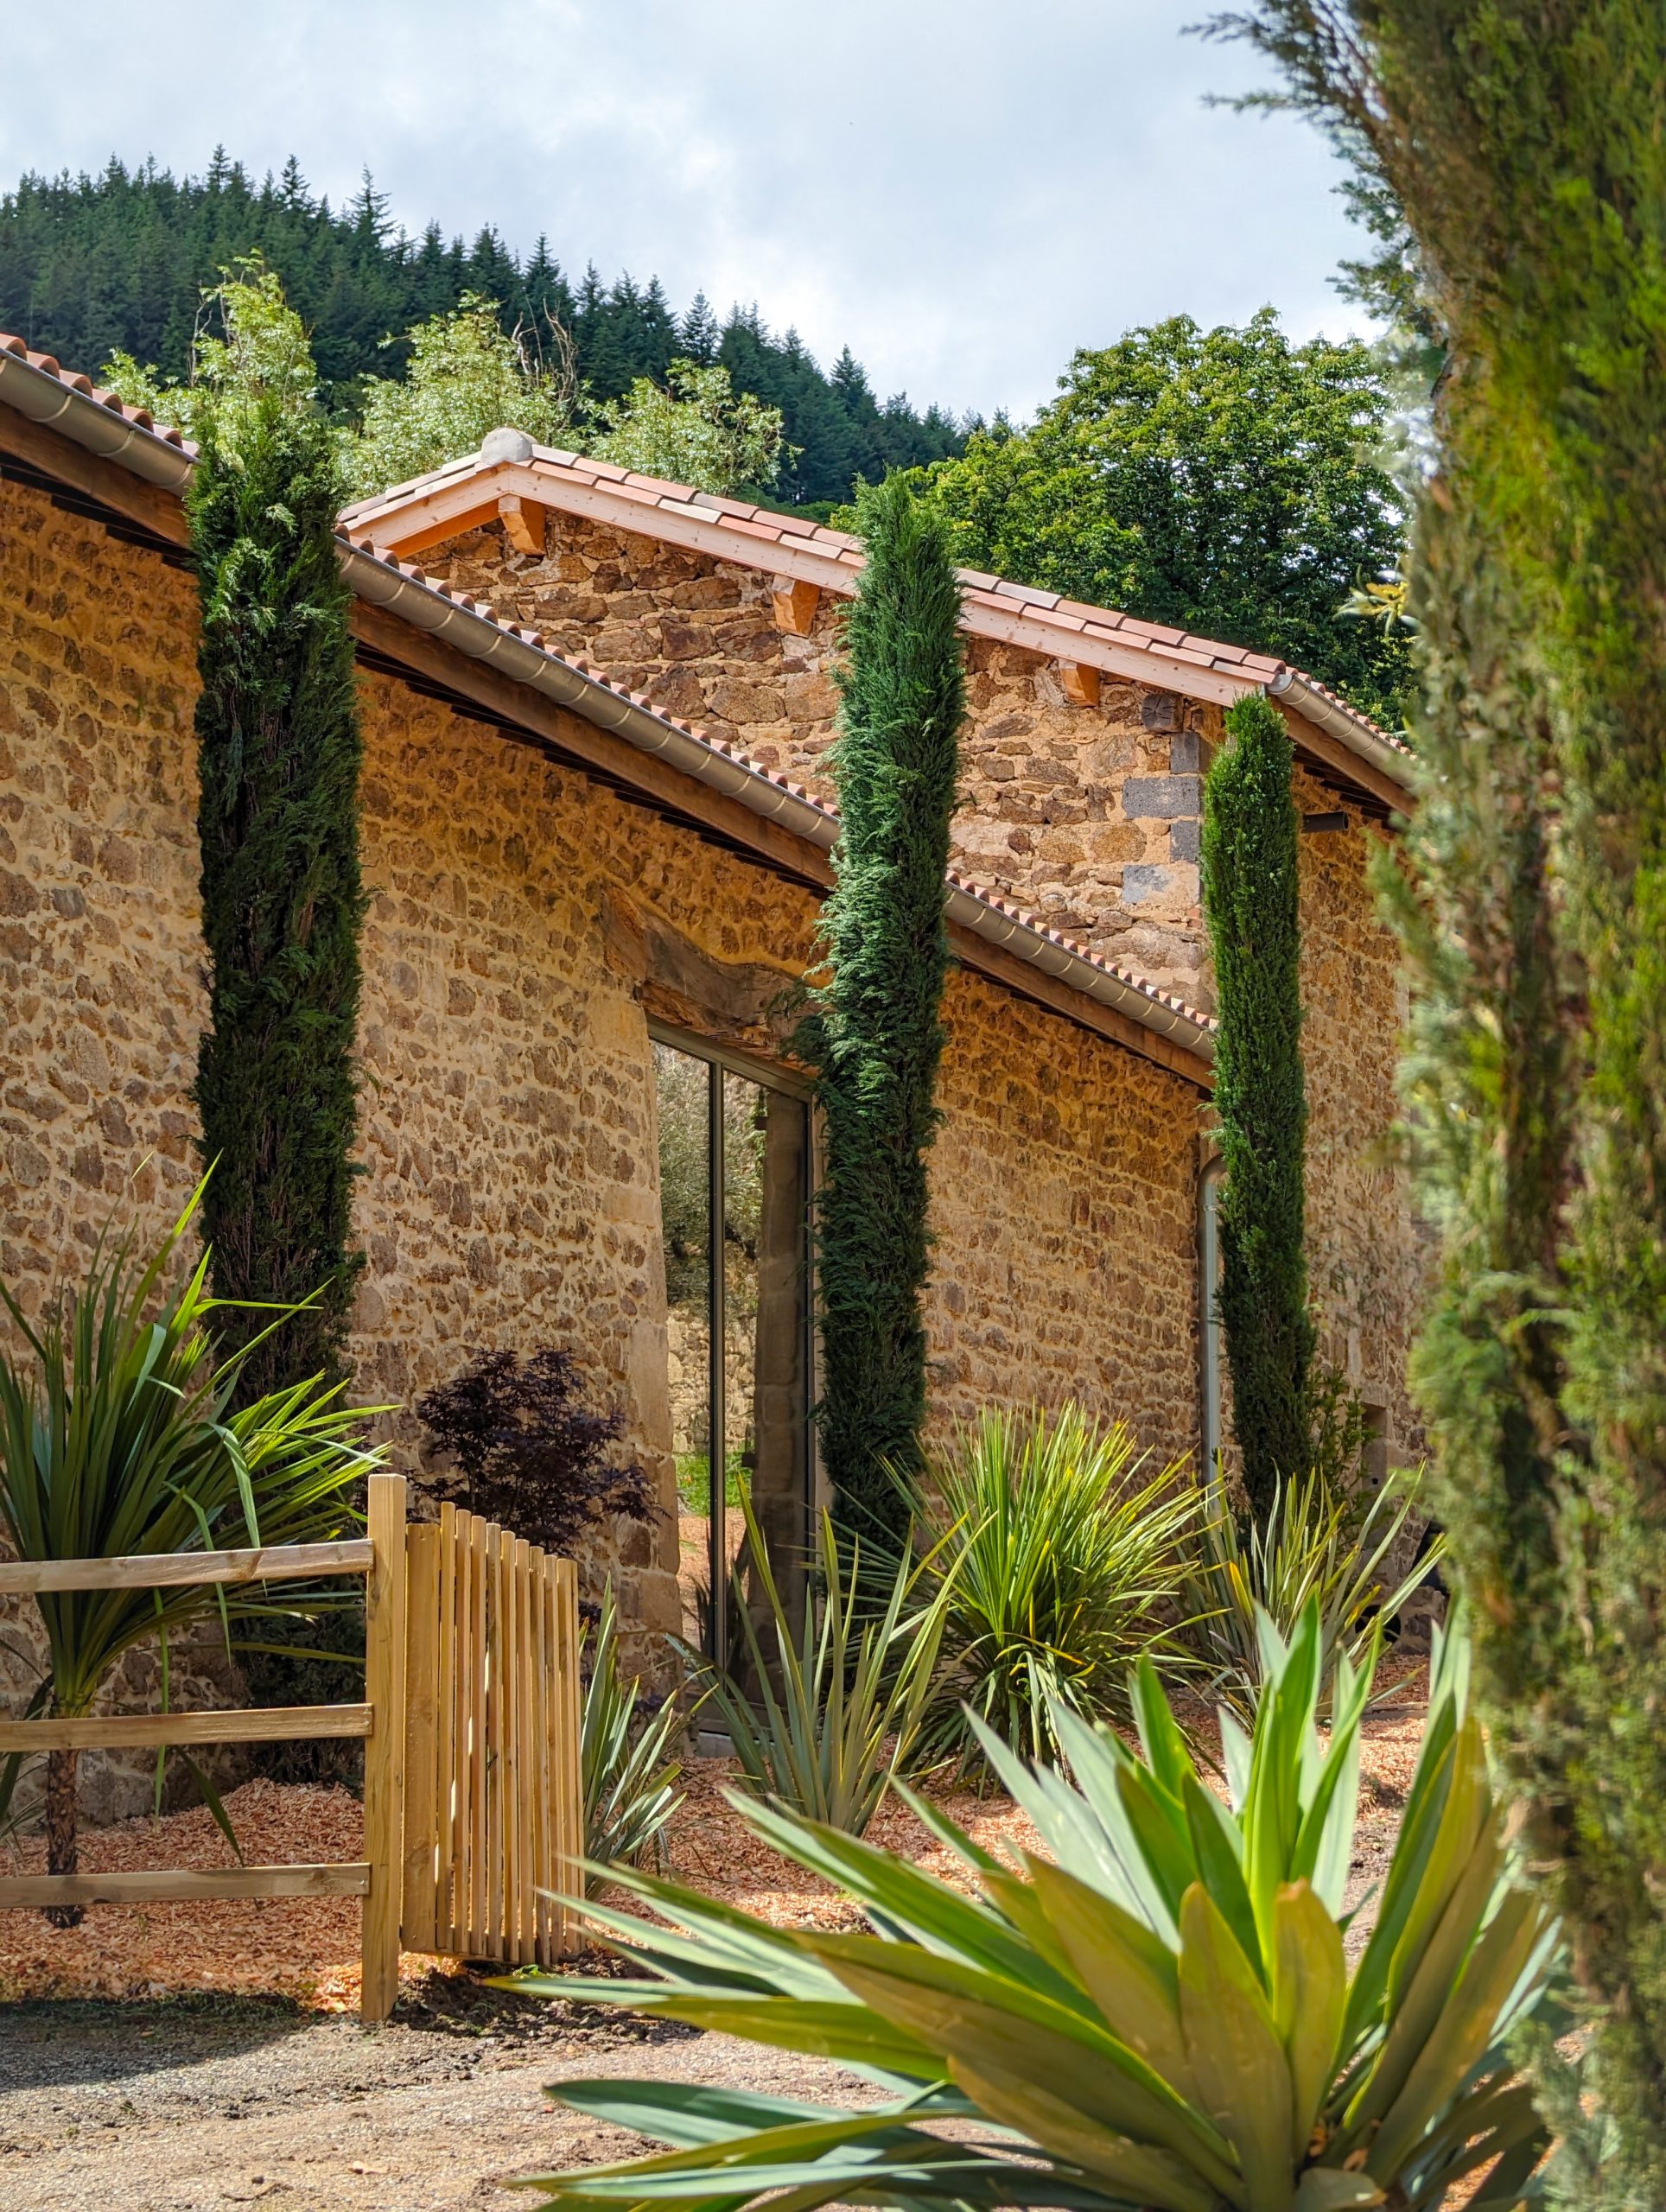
x=1027 y=593
x=140 y=417
x=799 y=526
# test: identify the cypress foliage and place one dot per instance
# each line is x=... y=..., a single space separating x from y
x=278 y=752
x=1250 y=904
x=877 y=1033
x=1526 y=145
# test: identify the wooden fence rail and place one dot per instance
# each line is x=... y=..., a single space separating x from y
x=473 y=1797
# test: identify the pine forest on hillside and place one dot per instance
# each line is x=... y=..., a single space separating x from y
x=90 y=266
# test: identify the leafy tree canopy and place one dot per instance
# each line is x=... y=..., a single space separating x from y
x=1220 y=480
x=699 y=430
x=467 y=377
x=259 y=354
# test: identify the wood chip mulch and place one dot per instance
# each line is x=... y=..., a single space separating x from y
x=307 y=1948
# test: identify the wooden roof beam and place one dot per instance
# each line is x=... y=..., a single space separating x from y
x=795 y=603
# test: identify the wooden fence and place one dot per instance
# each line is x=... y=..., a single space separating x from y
x=473 y=1798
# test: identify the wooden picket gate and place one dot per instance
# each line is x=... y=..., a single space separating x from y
x=493 y=1808
x=472 y=1794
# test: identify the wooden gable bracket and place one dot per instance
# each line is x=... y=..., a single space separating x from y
x=1081 y=683
x=795 y=607
x=523 y=522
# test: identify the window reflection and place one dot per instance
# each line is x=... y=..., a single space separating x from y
x=735 y=1152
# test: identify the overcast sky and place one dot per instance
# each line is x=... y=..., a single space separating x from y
x=963 y=191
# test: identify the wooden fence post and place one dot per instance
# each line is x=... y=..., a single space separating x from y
x=385 y=1753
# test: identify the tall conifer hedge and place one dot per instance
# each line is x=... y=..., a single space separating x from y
x=278 y=755
x=1250 y=894
x=880 y=1033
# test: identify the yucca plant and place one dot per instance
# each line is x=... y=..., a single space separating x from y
x=1313 y=1546
x=1160 y=2013
x=838 y=1706
x=117 y=1436
x=625 y=1760
x=1061 y=1560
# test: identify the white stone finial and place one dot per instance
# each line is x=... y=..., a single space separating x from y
x=506 y=445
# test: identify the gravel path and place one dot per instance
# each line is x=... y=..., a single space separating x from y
x=189 y=2102
x=183 y=2106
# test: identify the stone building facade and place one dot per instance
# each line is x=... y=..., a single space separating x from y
x=562 y=868
x=537 y=902
x=1087 y=814
x=1081 y=790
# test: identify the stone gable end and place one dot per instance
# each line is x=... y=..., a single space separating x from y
x=1085 y=814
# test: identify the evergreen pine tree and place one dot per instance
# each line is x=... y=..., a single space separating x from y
x=1251 y=905
x=698 y=335
x=94 y=265
x=878 y=1035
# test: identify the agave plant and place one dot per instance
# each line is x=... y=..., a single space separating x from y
x=838 y=1708
x=117 y=1436
x=1313 y=1547
x=1061 y=1561
x=629 y=1774
x=1159 y=2014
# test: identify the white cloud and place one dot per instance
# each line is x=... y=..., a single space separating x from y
x=962 y=190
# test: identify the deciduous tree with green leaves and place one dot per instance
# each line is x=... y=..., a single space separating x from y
x=877 y=1036
x=1218 y=480
x=695 y=430
x=467 y=377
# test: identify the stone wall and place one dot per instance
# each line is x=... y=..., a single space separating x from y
x=101 y=997
x=1367 y=1256
x=1086 y=815
x=525 y=924
x=100 y=943
x=1064 y=1204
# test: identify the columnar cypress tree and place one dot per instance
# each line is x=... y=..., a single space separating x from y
x=879 y=1032
x=1250 y=904
x=1525 y=141
x=279 y=755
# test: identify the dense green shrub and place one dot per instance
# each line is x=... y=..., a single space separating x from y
x=1159 y=2011
x=1061 y=1558
x=878 y=1034
x=1252 y=906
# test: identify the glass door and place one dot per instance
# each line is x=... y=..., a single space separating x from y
x=734 y=1183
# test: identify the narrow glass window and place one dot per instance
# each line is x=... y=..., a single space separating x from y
x=735 y=1180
